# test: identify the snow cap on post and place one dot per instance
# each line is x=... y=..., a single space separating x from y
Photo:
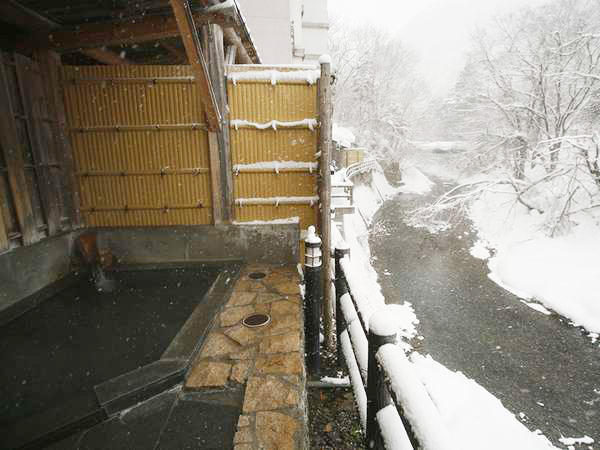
x=382 y=322
x=325 y=59
x=311 y=236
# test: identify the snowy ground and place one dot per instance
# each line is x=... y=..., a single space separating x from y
x=559 y=274
x=475 y=417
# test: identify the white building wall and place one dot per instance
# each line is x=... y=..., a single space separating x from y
x=287 y=31
x=270 y=27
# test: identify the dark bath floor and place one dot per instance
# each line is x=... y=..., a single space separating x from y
x=81 y=337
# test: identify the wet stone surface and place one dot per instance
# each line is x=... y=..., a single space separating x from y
x=265 y=362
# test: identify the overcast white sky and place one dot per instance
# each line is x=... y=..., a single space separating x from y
x=438 y=31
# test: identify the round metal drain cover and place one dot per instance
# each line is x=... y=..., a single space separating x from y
x=256 y=320
x=257 y=275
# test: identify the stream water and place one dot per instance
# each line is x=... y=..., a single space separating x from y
x=535 y=364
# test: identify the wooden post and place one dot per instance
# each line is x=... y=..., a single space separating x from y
x=49 y=65
x=193 y=49
x=325 y=124
x=13 y=155
x=212 y=38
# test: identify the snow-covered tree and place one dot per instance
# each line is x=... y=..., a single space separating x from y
x=528 y=99
x=376 y=90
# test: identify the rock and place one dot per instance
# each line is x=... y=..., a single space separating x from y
x=239 y=373
x=290 y=363
x=241 y=299
x=244 y=335
x=275 y=431
x=218 y=345
x=287 y=287
x=208 y=374
x=267 y=297
x=243 y=421
x=267 y=393
x=282 y=343
x=243 y=436
x=284 y=308
x=281 y=324
x=232 y=316
x=250 y=286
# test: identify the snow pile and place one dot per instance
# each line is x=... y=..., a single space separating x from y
x=275 y=76
x=441 y=146
x=286 y=221
x=585 y=440
x=561 y=272
x=276 y=166
x=368 y=198
x=311 y=124
x=472 y=415
x=414 y=181
x=392 y=429
x=343 y=136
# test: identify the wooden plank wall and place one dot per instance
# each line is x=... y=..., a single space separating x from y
x=140 y=145
x=260 y=101
x=32 y=188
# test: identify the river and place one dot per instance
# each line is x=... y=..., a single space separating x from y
x=535 y=364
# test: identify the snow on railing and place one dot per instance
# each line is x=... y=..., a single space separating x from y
x=395 y=414
x=364 y=166
x=276 y=166
x=274 y=76
x=311 y=124
x=276 y=201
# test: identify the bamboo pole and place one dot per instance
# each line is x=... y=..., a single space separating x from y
x=325 y=110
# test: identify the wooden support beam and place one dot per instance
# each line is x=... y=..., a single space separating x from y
x=32 y=93
x=180 y=56
x=23 y=17
x=49 y=65
x=325 y=126
x=212 y=39
x=215 y=177
x=230 y=54
x=231 y=38
x=13 y=155
x=105 y=56
x=149 y=28
x=191 y=42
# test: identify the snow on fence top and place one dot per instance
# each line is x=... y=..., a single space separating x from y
x=276 y=166
x=309 y=77
x=417 y=405
x=277 y=201
x=308 y=123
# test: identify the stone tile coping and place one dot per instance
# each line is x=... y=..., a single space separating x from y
x=267 y=362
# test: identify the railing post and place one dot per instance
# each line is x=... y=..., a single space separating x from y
x=312 y=300
x=378 y=396
x=341 y=288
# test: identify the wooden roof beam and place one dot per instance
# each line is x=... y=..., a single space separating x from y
x=179 y=55
x=23 y=17
x=193 y=49
x=105 y=56
x=150 y=28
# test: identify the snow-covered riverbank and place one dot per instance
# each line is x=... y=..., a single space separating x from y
x=477 y=418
